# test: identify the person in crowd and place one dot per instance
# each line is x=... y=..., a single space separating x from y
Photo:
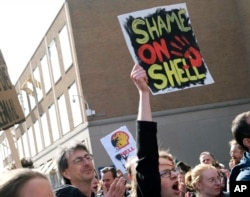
x=236 y=152
x=108 y=176
x=205 y=180
x=95 y=183
x=208 y=158
x=25 y=182
x=130 y=167
x=182 y=168
x=241 y=132
x=155 y=176
x=77 y=170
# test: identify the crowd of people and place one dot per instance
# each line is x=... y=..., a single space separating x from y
x=151 y=173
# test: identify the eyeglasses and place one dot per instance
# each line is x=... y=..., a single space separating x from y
x=80 y=159
x=167 y=173
x=215 y=180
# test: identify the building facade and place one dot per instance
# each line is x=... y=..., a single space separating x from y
x=76 y=85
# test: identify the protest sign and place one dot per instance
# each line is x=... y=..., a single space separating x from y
x=10 y=110
x=120 y=145
x=162 y=41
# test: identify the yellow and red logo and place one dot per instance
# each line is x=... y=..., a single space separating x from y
x=120 y=139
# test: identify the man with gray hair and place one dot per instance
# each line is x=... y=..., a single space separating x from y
x=77 y=170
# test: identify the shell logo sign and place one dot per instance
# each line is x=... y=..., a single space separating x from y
x=120 y=139
x=120 y=145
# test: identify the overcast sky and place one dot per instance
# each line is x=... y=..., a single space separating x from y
x=23 y=23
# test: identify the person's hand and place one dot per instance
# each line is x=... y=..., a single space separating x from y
x=117 y=188
x=139 y=77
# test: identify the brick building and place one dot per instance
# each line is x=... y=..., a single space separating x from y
x=77 y=86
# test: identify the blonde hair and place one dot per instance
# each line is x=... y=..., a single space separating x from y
x=195 y=175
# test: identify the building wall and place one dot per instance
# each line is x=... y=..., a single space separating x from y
x=185 y=132
x=105 y=63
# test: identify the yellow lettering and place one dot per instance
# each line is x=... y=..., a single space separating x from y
x=153 y=73
x=139 y=31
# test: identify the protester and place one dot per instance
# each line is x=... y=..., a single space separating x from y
x=183 y=168
x=208 y=158
x=241 y=132
x=205 y=180
x=95 y=183
x=77 y=170
x=155 y=177
x=236 y=152
x=24 y=182
x=108 y=176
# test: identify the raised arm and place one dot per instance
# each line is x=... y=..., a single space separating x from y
x=147 y=170
x=139 y=77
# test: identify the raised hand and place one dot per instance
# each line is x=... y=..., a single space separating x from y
x=117 y=188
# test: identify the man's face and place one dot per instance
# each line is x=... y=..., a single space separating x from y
x=236 y=153
x=80 y=167
x=169 y=183
x=206 y=159
x=107 y=179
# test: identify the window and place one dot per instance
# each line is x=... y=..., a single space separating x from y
x=54 y=61
x=63 y=114
x=20 y=148
x=75 y=105
x=37 y=84
x=45 y=75
x=45 y=131
x=38 y=135
x=53 y=121
x=31 y=141
x=23 y=98
x=26 y=145
x=65 y=47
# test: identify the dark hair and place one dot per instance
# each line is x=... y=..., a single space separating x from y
x=62 y=161
x=183 y=167
x=12 y=181
x=240 y=128
x=109 y=169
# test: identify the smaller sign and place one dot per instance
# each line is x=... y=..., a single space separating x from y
x=120 y=145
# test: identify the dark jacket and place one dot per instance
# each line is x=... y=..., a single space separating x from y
x=241 y=172
x=147 y=170
x=69 y=191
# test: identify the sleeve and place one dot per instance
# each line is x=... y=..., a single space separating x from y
x=147 y=170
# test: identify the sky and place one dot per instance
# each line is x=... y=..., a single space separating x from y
x=23 y=24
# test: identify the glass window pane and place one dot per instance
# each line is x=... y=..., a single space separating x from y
x=20 y=148
x=23 y=97
x=45 y=131
x=45 y=74
x=54 y=61
x=37 y=84
x=75 y=105
x=26 y=145
x=63 y=114
x=31 y=141
x=54 y=124
x=39 y=143
x=65 y=48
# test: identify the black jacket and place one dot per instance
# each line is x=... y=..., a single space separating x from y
x=69 y=191
x=147 y=170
